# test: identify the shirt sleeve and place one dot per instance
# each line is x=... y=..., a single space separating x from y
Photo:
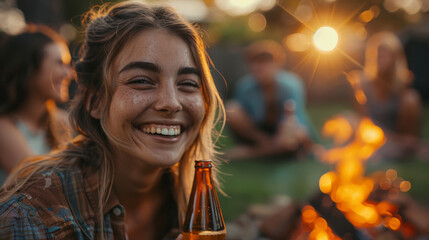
x=239 y=93
x=250 y=98
x=20 y=221
x=296 y=92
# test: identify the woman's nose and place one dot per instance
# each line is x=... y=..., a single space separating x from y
x=167 y=99
x=68 y=72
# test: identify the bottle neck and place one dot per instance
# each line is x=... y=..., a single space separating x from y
x=203 y=171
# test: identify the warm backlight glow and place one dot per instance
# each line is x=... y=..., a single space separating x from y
x=325 y=39
x=238 y=7
x=297 y=42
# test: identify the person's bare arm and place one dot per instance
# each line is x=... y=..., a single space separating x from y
x=60 y=127
x=409 y=113
x=243 y=126
x=13 y=145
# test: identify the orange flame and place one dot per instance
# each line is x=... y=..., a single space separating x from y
x=347 y=186
x=320 y=229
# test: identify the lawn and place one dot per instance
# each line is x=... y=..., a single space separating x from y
x=256 y=180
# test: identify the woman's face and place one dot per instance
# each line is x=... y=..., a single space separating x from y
x=52 y=79
x=264 y=71
x=157 y=105
x=385 y=59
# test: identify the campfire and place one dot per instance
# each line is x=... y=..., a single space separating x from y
x=358 y=207
x=350 y=205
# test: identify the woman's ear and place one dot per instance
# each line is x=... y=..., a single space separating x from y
x=92 y=105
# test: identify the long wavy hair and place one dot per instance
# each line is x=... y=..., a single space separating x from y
x=21 y=58
x=400 y=69
x=108 y=29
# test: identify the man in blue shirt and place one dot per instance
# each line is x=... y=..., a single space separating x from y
x=268 y=109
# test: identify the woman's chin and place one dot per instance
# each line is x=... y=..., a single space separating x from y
x=163 y=161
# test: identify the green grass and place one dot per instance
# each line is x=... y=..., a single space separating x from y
x=255 y=181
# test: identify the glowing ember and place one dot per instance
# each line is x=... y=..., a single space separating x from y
x=319 y=227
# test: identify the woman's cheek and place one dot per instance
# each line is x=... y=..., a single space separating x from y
x=198 y=109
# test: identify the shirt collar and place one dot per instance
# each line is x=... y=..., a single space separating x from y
x=91 y=189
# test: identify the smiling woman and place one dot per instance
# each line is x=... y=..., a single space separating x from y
x=145 y=112
x=34 y=74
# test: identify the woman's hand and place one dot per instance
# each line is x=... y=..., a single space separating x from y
x=180 y=237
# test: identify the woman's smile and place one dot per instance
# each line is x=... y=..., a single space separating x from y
x=163 y=130
x=157 y=106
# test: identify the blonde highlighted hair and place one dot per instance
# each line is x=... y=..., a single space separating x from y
x=108 y=29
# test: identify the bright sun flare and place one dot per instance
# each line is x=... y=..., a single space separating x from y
x=325 y=39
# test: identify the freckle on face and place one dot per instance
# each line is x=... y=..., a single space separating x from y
x=132 y=106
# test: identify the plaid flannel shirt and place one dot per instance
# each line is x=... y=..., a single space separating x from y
x=43 y=209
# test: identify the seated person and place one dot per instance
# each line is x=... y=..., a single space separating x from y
x=268 y=110
x=383 y=94
x=34 y=75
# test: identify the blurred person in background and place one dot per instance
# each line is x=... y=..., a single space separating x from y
x=34 y=75
x=267 y=113
x=144 y=112
x=383 y=94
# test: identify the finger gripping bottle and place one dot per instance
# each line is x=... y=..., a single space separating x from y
x=204 y=220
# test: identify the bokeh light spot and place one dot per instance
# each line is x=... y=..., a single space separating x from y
x=325 y=39
x=257 y=22
x=405 y=186
x=391 y=174
x=298 y=42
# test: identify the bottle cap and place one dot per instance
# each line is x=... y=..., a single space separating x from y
x=203 y=163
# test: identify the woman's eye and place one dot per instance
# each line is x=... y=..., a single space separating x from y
x=141 y=81
x=190 y=83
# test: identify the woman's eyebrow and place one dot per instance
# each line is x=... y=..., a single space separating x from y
x=141 y=65
x=189 y=70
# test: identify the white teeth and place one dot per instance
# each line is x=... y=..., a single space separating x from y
x=164 y=131
x=171 y=132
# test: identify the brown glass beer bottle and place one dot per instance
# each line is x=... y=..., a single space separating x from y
x=204 y=220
